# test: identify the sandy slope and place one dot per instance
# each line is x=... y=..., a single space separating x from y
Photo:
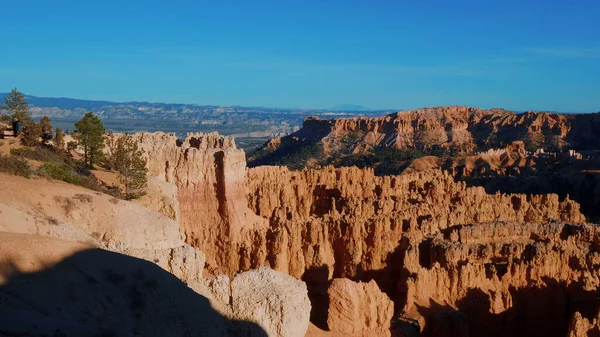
x=56 y=209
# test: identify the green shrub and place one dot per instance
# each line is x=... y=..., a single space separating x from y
x=60 y=171
x=15 y=165
x=59 y=165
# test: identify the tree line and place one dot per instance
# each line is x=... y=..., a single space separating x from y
x=123 y=156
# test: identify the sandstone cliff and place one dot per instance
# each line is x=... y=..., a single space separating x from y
x=508 y=278
x=451 y=129
x=54 y=279
x=209 y=172
x=433 y=245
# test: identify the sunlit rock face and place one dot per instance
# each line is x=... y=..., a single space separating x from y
x=447 y=255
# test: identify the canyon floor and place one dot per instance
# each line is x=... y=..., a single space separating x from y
x=495 y=240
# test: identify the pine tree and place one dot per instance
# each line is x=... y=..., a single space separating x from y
x=59 y=139
x=72 y=146
x=89 y=134
x=46 y=127
x=15 y=103
x=129 y=162
x=31 y=133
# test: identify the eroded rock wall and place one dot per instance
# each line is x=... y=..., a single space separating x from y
x=450 y=129
x=584 y=327
x=448 y=255
x=519 y=278
x=350 y=222
x=209 y=173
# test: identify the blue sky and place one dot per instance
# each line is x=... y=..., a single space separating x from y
x=515 y=54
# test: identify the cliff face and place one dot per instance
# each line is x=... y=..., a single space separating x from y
x=536 y=129
x=501 y=273
x=349 y=221
x=444 y=126
x=453 y=129
x=209 y=172
x=446 y=254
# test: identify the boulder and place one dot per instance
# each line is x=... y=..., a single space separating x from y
x=275 y=301
x=359 y=309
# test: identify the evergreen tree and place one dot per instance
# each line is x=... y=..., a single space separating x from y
x=31 y=133
x=15 y=103
x=72 y=146
x=89 y=134
x=46 y=127
x=59 y=139
x=129 y=162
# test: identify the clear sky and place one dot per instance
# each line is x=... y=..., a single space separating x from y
x=514 y=54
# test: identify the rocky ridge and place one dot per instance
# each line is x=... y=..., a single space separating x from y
x=50 y=286
x=58 y=237
x=437 y=257
x=448 y=129
x=72 y=213
x=430 y=243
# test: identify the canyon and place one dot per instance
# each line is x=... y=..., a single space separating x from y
x=444 y=253
x=323 y=251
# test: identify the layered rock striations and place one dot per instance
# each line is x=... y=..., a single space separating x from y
x=449 y=129
x=452 y=258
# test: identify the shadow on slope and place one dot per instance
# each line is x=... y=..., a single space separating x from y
x=543 y=310
x=101 y=293
x=577 y=178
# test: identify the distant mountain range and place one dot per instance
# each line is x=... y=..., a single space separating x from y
x=71 y=107
x=349 y=107
x=258 y=121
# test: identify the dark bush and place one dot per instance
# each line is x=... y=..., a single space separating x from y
x=40 y=153
x=15 y=165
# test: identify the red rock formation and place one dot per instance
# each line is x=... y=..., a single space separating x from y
x=209 y=172
x=515 y=277
x=435 y=246
x=347 y=220
x=454 y=129
x=583 y=327
x=350 y=221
